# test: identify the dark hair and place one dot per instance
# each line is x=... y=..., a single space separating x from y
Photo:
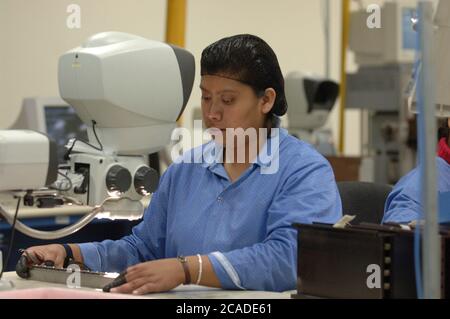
x=443 y=129
x=250 y=60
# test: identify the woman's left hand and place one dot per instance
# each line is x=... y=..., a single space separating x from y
x=152 y=276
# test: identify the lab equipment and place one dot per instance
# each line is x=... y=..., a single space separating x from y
x=392 y=41
x=378 y=91
x=28 y=269
x=369 y=261
x=129 y=91
x=27 y=160
x=310 y=99
x=442 y=60
x=385 y=56
x=55 y=118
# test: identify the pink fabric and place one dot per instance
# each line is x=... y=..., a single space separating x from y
x=60 y=293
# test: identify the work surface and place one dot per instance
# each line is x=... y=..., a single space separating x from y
x=37 y=289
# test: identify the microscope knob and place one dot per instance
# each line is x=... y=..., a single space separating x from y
x=118 y=178
x=146 y=180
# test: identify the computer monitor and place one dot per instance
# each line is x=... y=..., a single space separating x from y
x=395 y=40
x=53 y=117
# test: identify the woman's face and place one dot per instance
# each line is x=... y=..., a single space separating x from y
x=228 y=103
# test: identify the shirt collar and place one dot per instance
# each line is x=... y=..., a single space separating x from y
x=212 y=152
x=272 y=145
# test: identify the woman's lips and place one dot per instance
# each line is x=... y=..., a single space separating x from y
x=215 y=129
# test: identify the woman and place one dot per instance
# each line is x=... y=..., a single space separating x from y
x=231 y=217
x=403 y=203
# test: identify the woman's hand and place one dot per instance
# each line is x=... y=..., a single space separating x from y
x=40 y=254
x=152 y=276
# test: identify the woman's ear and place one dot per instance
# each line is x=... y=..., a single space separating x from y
x=268 y=100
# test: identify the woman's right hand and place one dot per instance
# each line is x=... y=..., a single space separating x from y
x=40 y=254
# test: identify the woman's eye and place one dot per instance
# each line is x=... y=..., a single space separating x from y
x=227 y=101
x=206 y=98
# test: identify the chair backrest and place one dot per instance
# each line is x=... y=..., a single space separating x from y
x=365 y=200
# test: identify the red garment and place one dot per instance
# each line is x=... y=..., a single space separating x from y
x=444 y=150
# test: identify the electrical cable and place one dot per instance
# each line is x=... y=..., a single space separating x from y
x=66 y=156
x=13 y=231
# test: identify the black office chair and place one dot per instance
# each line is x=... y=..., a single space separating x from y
x=365 y=200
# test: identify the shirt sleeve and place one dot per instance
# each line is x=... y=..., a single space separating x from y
x=403 y=203
x=308 y=194
x=147 y=241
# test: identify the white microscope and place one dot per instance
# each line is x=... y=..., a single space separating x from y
x=129 y=91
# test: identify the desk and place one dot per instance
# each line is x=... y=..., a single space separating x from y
x=181 y=292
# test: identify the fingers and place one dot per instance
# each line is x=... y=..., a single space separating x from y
x=34 y=256
x=59 y=261
x=132 y=286
x=151 y=276
x=41 y=254
x=118 y=281
x=146 y=289
x=136 y=277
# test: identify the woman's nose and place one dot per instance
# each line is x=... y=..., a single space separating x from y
x=215 y=113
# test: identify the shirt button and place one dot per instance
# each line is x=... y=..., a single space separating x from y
x=220 y=199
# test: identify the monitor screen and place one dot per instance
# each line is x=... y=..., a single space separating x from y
x=62 y=124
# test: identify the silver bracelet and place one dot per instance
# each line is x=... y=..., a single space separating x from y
x=200 y=269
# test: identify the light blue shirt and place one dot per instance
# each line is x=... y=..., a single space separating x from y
x=244 y=227
x=403 y=204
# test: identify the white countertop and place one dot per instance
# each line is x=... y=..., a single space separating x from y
x=35 y=289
